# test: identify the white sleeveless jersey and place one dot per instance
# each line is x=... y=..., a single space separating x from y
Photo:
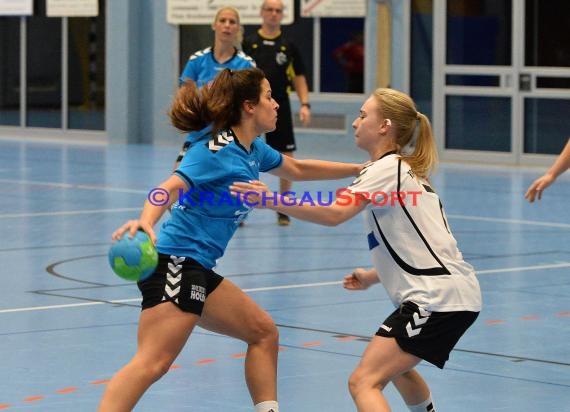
x=412 y=247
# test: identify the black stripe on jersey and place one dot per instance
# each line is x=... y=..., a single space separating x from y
x=184 y=177
x=435 y=271
x=446 y=272
x=430 y=190
x=443 y=216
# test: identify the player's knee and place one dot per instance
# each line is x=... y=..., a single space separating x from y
x=264 y=330
x=160 y=366
x=159 y=369
x=354 y=383
x=359 y=382
x=152 y=370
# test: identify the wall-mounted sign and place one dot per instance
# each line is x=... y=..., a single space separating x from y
x=203 y=11
x=333 y=8
x=72 y=8
x=16 y=7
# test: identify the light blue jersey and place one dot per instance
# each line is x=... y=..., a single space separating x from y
x=205 y=218
x=202 y=66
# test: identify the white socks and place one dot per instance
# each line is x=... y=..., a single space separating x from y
x=267 y=406
x=425 y=406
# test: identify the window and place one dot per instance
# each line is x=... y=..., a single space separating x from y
x=55 y=88
x=10 y=73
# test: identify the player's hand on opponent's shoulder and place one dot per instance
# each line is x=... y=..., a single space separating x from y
x=363 y=166
x=360 y=279
x=254 y=192
x=132 y=226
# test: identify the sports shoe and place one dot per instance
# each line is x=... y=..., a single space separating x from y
x=283 y=220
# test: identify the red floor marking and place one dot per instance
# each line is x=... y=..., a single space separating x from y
x=5 y=406
x=494 y=321
x=563 y=313
x=347 y=338
x=101 y=382
x=530 y=317
x=33 y=398
x=242 y=355
x=67 y=390
x=201 y=362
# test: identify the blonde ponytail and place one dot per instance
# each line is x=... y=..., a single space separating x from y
x=423 y=159
x=413 y=130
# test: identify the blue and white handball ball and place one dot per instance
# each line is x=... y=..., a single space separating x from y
x=133 y=259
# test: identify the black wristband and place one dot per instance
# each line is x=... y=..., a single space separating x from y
x=307 y=105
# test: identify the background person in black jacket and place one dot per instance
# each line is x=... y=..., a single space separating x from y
x=281 y=61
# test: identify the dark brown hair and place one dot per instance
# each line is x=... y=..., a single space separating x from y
x=219 y=103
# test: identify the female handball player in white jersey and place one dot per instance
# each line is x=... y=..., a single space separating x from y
x=415 y=256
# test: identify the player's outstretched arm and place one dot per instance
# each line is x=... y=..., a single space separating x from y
x=310 y=169
x=361 y=279
x=169 y=190
x=561 y=164
x=256 y=194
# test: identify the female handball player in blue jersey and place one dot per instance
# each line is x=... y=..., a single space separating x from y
x=184 y=291
x=415 y=256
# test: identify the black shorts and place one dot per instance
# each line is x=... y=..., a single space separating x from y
x=428 y=335
x=180 y=280
x=283 y=138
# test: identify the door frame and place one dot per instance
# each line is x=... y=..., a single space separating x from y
x=508 y=87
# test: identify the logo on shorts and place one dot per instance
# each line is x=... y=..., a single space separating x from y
x=198 y=293
x=418 y=319
x=386 y=328
x=173 y=279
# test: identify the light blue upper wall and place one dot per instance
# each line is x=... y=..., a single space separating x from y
x=141 y=72
x=121 y=101
x=163 y=73
x=398 y=49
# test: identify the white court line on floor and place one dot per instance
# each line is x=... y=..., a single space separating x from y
x=61 y=185
x=70 y=213
x=270 y=288
x=516 y=221
x=120 y=210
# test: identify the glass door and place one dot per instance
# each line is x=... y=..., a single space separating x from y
x=501 y=79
